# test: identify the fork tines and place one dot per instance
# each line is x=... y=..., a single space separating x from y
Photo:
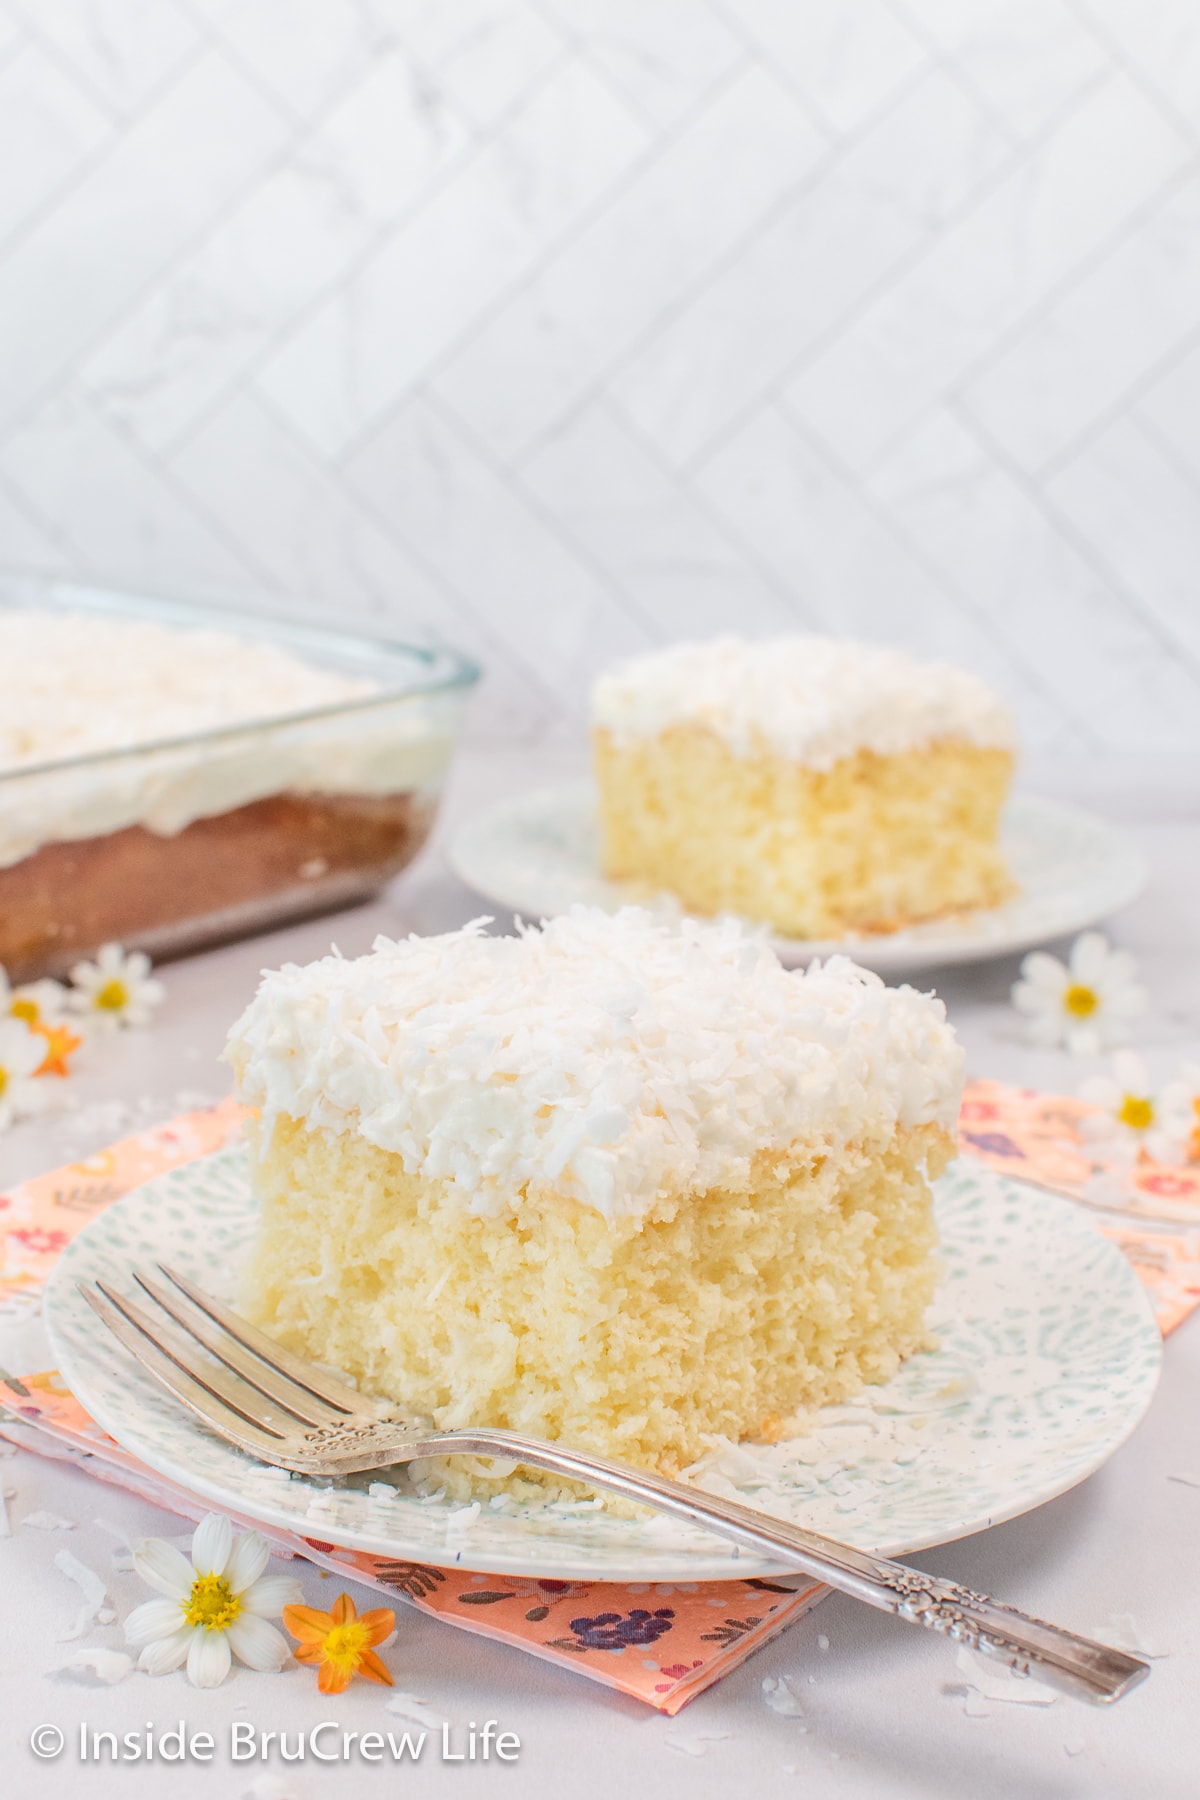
x=255 y=1391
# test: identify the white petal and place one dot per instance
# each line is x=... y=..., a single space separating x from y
x=1131 y=1072
x=249 y=1557
x=1045 y=972
x=1091 y=959
x=1166 y=1148
x=153 y=1619
x=209 y=1658
x=137 y=966
x=166 y=1654
x=1103 y=1091
x=258 y=1644
x=212 y=1544
x=164 y=1568
x=1045 y=1029
x=1029 y=999
x=110 y=959
x=268 y=1597
x=1100 y=1130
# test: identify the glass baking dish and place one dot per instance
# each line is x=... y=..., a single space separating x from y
x=170 y=845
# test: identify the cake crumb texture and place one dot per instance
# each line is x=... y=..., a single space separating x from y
x=871 y=844
x=636 y=1338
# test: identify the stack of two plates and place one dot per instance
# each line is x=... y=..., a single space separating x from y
x=1047 y=1356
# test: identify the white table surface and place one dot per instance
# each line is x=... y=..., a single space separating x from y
x=880 y=1720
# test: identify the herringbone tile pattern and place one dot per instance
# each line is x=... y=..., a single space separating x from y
x=561 y=327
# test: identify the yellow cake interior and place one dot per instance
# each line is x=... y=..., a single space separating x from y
x=871 y=844
x=725 y=1312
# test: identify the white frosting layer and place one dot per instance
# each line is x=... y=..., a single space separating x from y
x=83 y=685
x=811 y=699
x=607 y=1057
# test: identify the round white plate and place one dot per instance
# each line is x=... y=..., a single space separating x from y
x=1048 y=1356
x=538 y=855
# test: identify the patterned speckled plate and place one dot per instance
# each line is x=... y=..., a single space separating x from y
x=1048 y=1356
x=538 y=855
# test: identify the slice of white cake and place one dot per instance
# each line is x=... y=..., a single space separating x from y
x=817 y=784
x=607 y=1182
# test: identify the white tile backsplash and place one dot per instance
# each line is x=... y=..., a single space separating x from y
x=1122 y=318
x=862 y=211
x=125 y=50
x=990 y=272
x=1024 y=59
x=377 y=338
x=657 y=237
x=1099 y=659
x=664 y=56
x=557 y=328
x=845 y=60
x=48 y=129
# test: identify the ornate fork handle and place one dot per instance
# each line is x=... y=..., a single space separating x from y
x=1025 y=1644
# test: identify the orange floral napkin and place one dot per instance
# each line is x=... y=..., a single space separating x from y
x=1035 y=1137
x=662 y=1644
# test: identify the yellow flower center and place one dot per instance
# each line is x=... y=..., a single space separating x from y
x=1137 y=1112
x=3 y=1081
x=211 y=1603
x=112 y=996
x=25 y=1009
x=1081 y=1001
x=344 y=1646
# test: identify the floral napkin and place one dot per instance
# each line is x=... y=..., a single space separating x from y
x=662 y=1644
x=1151 y=1212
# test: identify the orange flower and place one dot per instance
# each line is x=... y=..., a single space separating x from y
x=342 y=1644
x=61 y=1043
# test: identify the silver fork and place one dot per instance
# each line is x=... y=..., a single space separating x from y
x=286 y=1411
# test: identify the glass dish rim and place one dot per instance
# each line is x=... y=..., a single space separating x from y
x=449 y=669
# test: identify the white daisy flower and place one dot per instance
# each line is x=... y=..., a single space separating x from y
x=1130 y=1118
x=22 y=1053
x=115 y=989
x=36 y=1002
x=214 y=1607
x=1179 y=1111
x=1085 y=1004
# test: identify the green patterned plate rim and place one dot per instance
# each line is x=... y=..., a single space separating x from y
x=1047 y=1357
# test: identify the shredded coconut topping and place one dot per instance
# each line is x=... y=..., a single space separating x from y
x=610 y=1058
x=74 y=684
x=812 y=699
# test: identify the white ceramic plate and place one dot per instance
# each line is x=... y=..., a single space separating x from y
x=1048 y=1356
x=538 y=855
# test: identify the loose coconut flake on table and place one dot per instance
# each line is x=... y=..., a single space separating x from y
x=46 y=1521
x=106 y=1667
x=779 y=1695
x=95 y=1594
x=694 y=1743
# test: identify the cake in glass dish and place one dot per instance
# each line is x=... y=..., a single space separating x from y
x=170 y=777
x=819 y=785
x=630 y=1187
